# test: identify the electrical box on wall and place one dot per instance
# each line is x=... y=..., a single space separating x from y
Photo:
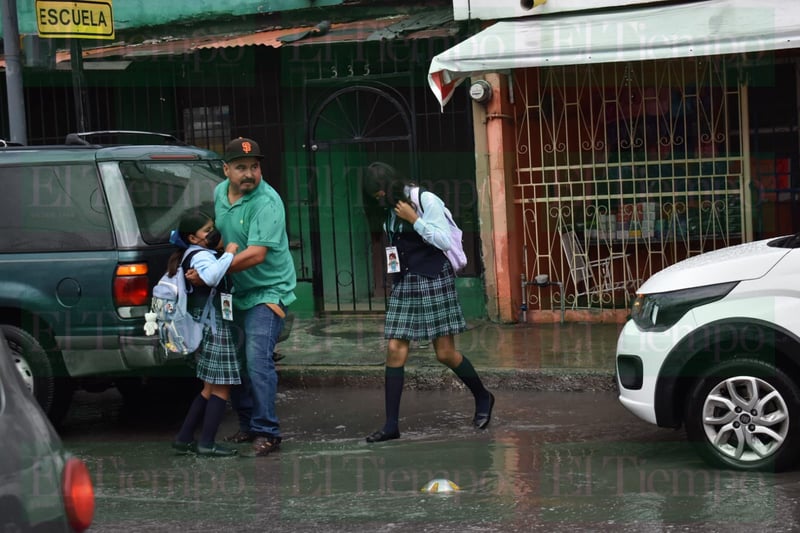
x=480 y=91
x=506 y=9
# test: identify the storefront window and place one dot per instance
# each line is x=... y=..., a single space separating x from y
x=635 y=160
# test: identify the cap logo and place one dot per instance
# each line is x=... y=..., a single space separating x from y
x=247 y=147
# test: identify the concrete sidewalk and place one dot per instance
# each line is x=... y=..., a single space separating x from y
x=350 y=351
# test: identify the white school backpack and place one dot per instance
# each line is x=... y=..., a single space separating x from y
x=178 y=332
x=456 y=255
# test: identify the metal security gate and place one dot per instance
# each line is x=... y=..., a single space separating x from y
x=350 y=129
x=624 y=169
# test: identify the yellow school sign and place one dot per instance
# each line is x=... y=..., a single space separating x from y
x=83 y=20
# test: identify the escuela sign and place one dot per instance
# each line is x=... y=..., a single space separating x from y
x=90 y=19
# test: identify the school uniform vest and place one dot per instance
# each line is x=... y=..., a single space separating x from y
x=416 y=255
x=199 y=294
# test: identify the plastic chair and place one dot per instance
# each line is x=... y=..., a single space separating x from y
x=596 y=276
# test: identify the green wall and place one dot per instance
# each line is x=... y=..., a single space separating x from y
x=130 y=14
x=472 y=298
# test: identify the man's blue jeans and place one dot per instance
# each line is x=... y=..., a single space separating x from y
x=254 y=400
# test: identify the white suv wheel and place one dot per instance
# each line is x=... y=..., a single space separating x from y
x=739 y=414
x=745 y=418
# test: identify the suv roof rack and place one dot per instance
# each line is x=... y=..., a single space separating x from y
x=81 y=138
x=4 y=143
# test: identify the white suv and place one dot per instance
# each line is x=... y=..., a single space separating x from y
x=713 y=344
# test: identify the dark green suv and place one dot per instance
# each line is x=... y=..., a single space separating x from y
x=84 y=233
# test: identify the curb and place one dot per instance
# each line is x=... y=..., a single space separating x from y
x=436 y=378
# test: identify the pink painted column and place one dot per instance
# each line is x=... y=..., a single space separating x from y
x=500 y=143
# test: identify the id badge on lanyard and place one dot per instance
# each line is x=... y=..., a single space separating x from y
x=227 y=305
x=392 y=260
x=392 y=255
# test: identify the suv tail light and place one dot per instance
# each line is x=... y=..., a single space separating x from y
x=131 y=285
x=78 y=494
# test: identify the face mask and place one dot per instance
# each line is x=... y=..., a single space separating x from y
x=213 y=239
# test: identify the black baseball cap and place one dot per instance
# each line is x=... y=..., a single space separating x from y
x=242 y=147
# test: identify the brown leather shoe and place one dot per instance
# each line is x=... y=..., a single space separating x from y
x=263 y=446
x=240 y=437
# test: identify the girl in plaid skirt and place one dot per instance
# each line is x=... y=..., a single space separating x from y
x=423 y=304
x=217 y=364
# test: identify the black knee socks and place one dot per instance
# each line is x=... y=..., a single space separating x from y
x=466 y=372
x=393 y=380
x=215 y=412
x=193 y=418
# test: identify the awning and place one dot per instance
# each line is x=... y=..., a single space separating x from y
x=704 y=28
x=432 y=23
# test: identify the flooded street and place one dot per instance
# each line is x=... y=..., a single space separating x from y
x=549 y=461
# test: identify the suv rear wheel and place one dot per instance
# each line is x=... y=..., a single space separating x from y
x=742 y=414
x=50 y=386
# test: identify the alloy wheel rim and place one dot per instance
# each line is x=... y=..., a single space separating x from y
x=25 y=371
x=745 y=418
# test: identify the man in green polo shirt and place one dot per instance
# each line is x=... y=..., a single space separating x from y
x=250 y=213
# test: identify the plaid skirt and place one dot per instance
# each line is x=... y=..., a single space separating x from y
x=423 y=308
x=216 y=358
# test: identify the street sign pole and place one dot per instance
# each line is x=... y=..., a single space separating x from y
x=76 y=62
x=76 y=20
x=16 y=99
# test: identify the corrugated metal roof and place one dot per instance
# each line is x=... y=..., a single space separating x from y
x=436 y=23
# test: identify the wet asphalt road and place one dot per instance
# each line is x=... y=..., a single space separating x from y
x=549 y=462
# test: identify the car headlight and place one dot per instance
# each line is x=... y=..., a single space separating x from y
x=660 y=311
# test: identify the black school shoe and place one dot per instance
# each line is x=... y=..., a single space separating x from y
x=215 y=450
x=183 y=448
x=482 y=419
x=380 y=436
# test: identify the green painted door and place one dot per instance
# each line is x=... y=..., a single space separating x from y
x=351 y=128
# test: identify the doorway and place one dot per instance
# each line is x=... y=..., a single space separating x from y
x=349 y=129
